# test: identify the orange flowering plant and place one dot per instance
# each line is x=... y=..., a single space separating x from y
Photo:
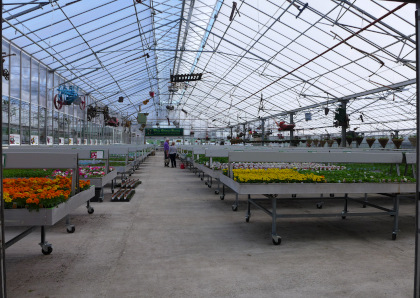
x=35 y=193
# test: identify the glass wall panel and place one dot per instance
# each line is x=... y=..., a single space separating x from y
x=15 y=73
x=25 y=116
x=42 y=86
x=26 y=77
x=56 y=119
x=14 y=116
x=34 y=82
x=5 y=115
x=42 y=126
x=5 y=49
x=34 y=120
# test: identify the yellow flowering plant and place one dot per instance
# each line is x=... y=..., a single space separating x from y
x=275 y=176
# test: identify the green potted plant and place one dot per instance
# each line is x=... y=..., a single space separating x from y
x=383 y=141
x=315 y=141
x=413 y=140
x=322 y=143
x=308 y=142
x=370 y=141
x=397 y=141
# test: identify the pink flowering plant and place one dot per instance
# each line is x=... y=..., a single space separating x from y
x=84 y=172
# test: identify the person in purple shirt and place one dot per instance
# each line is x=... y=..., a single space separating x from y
x=166 y=153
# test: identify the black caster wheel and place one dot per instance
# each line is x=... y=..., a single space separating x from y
x=209 y=185
x=48 y=251
x=101 y=200
x=247 y=218
x=234 y=208
x=277 y=242
x=222 y=197
x=129 y=175
x=91 y=210
x=343 y=217
x=216 y=192
x=331 y=195
x=394 y=236
x=364 y=206
x=293 y=195
x=201 y=178
x=319 y=206
x=206 y=183
x=112 y=191
x=71 y=230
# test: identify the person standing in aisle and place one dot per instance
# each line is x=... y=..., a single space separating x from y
x=166 y=152
x=172 y=154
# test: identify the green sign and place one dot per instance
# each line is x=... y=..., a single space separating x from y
x=164 y=132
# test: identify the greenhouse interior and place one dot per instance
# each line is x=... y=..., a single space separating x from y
x=139 y=136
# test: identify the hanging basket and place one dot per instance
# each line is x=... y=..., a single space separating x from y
x=413 y=141
x=397 y=143
x=370 y=141
x=330 y=143
x=349 y=140
x=322 y=143
x=338 y=140
x=359 y=140
x=315 y=141
x=383 y=142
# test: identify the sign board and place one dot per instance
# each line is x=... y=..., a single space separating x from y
x=34 y=140
x=71 y=141
x=164 y=132
x=97 y=154
x=14 y=139
x=79 y=141
x=60 y=141
x=50 y=140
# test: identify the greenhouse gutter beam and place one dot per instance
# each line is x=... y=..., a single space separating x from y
x=345 y=98
x=417 y=242
x=380 y=22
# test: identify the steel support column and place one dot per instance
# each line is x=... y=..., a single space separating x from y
x=417 y=244
x=263 y=131
x=291 y=132
x=344 y=127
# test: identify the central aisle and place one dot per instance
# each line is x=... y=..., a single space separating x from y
x=176 y=238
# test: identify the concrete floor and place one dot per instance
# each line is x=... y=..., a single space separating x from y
x=176 y=238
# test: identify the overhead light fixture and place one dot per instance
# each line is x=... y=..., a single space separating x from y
x=186 y=77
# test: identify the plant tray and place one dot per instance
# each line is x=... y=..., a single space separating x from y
x=123 y=195
x=317 y=188
x=101 y=181
x=46 y=216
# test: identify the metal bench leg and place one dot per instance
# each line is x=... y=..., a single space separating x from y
x=222 y=197
x=396 y=211
x=344 y=212
x=46 y=247
x=217 y=191
x=248 y=210
x=275 y=238
x=235 y=205
x=70 y=228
